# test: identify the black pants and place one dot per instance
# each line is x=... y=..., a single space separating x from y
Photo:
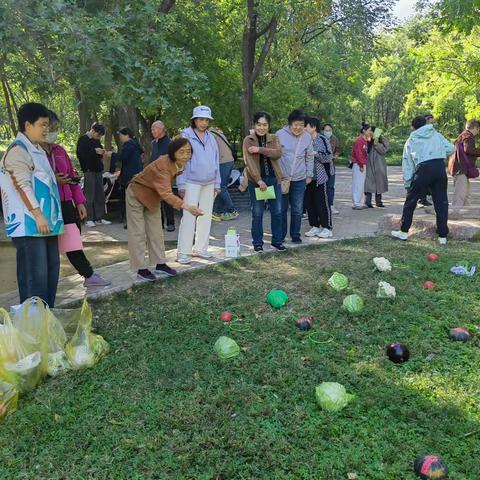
x=78 y=259
x=318 y=208
x=168 y=214
x=368 y=198
x=431 y=176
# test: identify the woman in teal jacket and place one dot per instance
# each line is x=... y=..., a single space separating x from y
x=423 y=168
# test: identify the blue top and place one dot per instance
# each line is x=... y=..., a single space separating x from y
x=131 y=159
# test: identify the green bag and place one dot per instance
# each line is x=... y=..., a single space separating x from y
x=277 y=298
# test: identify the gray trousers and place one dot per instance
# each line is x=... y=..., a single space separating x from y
x=95 y=195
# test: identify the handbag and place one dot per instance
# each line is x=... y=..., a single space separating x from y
x=285 y=183
x=471 y=171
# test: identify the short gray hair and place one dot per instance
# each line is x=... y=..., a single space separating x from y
x=472 y=124
x=158 y=123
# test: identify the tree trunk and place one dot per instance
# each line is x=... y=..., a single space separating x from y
x=251 y=68
x=83 y=114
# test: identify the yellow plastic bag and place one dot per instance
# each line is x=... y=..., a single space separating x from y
x=8 y=399
x=35 y=319
x=20 y=359
x=85 y=348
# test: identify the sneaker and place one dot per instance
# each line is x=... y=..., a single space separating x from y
x=184 y=259
x=399 y=234
x=380 y=205
x=313 y=232
x=368 y=205
x=104 y=222
x=280 y=247
x=304 y=216
x=442 y=240
x=359 y=207
x=230 y=215
x=258 y=248
x=335 y=211
x=204 y=255
x=164 y=268
x=90 y=224
x=296 y=240
x=96 y=280
x=217 y=217
x=325 y=233
x=170 y=228
x=425 y=203
x=146 y=275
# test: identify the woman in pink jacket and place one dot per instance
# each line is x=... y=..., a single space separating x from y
x=359 y=165
x=72 y=199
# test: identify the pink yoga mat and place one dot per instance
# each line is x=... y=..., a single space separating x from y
x=70 y=241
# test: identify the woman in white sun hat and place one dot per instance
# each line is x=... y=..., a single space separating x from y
x=197 y=186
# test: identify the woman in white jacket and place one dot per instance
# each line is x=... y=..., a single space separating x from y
x=197 y=185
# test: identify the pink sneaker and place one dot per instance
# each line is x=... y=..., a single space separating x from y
x=96 y=280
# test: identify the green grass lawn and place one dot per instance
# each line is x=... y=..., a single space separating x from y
x=162 y=406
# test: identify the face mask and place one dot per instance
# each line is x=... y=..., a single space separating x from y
x=52 y=137
x=328 y=134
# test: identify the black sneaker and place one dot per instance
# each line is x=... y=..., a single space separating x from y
x=146 y=275
x=280 y=247
x=296 y=240
x=369 y=205
x=164 y=268
x=170 y=228
x=258 y=248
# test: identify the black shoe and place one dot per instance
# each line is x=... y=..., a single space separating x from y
x=125 y=227
x=170 y=228
x=296 y=240
x=280 y=247
x=425 y=203
x=258 y=248
x=369 y=205
x=380 y=205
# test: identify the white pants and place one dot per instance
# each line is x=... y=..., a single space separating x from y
x=358 y=184
x=200 y=196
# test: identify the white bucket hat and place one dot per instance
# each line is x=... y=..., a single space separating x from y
x=202 y=112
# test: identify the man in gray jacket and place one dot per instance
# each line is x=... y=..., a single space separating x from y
x=297 y=166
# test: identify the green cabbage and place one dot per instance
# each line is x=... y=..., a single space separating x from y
x=277 y=298
x=332 y=396
x=353 y=303
x=226 y=347
x=338 y=281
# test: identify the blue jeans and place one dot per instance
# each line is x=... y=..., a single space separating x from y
x=223 y=202
x=294 y=198
x=258 y=207
x=331 y=189
x=38 y=268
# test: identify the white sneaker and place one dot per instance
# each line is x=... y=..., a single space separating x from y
x=442 y=240
x=104 y=222
x=313 y=232
x=325 y=233
x=204 y=255
x=90 y=224
x=335 y=211
x=399 y=234
x=184 y=259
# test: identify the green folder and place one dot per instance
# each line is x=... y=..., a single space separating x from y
x=268 y=194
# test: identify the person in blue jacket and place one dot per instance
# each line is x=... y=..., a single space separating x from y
x=423 y=166
x=130 y=159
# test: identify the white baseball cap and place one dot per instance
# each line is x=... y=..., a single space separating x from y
x=202 y=112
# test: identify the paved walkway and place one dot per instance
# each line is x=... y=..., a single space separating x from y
x=349 y=224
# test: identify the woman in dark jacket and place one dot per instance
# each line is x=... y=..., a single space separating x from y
x=130 y=158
